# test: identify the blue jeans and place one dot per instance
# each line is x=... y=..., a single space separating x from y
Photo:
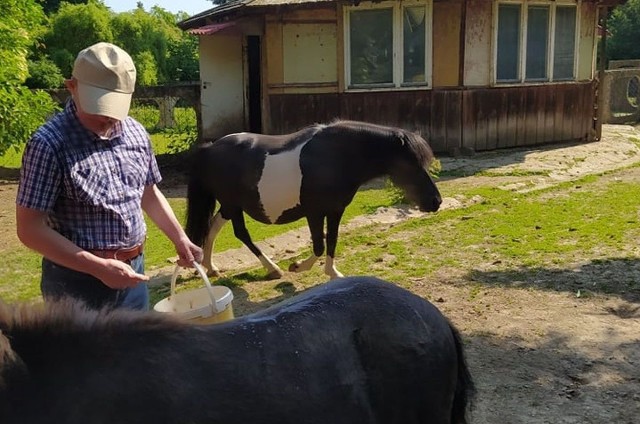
x=58 y=281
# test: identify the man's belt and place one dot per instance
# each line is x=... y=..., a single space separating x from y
x=123 y=255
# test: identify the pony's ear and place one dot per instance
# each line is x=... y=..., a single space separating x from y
x=404 y=138
x=8 y=358
x=7 y=354
x=12 y=367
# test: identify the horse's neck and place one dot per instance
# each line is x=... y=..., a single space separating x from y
x=378 y=158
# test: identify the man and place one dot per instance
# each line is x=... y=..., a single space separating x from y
x=87 y=176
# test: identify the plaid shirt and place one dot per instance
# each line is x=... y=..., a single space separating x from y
x=90 y=187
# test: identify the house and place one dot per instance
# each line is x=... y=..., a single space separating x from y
x=469 y=74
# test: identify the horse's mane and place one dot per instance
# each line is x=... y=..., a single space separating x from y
x=413 y=142
x=70 y=315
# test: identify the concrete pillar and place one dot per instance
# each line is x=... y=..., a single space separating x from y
x=166 y=107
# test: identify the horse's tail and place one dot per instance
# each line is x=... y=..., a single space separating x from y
x=201 y=203
x=465 y=389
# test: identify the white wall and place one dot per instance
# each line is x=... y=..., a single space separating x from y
x=587 y=43
x=222 y=79
x=477 y=60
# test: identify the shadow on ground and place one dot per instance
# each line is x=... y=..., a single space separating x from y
x=521 y=383
x=613 y=276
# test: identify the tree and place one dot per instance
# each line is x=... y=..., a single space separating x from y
x=21 y=110
x=74 y=27
x=183 y=55
x=623 y=24
x=161 y=51
x=183 y=63
x=146 y=69
x=52 y=6
x=43 y=73
x=155 y=33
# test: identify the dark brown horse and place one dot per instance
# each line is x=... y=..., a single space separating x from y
x=313 y=174
x=352 y=351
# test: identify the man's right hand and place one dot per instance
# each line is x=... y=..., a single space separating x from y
x=118 y=275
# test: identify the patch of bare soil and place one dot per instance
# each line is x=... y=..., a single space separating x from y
x=538 y=355
x=8 y=188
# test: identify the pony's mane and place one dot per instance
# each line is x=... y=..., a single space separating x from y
x=413 y=142
x=73 y=315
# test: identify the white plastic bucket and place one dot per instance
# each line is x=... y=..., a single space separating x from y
x=206 y=305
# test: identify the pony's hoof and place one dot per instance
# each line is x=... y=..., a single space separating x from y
x=214 y=273
x=294 y=267
x=275 y=274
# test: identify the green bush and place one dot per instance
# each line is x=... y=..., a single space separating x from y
x=147 y=115
x=44 y=73
x=22 y=111
x=168 y=140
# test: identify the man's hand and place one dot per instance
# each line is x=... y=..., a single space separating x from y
x=118 y=275
x=188 y=253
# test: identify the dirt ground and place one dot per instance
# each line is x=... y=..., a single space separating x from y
x=537 y=356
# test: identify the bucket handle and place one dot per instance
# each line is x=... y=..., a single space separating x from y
x=207 y=283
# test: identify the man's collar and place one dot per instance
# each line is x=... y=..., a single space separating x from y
x=72 y=110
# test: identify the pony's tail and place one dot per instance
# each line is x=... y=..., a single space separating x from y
x=465 y=389
x=201 y=203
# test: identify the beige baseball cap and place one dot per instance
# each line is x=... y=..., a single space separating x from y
x=106 y=79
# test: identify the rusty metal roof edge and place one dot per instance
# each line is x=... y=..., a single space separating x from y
x=205 y=17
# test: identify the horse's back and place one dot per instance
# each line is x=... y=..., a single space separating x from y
x=412 y=354
x=385 y=343
x=267 y=143
x=235 y=163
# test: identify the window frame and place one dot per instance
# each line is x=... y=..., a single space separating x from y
x=551 y=36
x=397 y=83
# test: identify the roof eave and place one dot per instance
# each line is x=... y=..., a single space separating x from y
x=205 y=17
x=236 y=7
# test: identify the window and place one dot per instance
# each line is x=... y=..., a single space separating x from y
x=535 y=42
x=564 y=51
x=371 y=52
x=387 y=45
x=508 y=42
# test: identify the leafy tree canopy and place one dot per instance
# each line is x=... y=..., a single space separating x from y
x=51 y=6
x=21 y=110
x=74 y=27
x=146 y=36
x=624 y=25
x=43 y=73
x=151 y=38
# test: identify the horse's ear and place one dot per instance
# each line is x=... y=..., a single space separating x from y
x=404 y=138
x=8 y=357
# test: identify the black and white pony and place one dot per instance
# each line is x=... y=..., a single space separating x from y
x=352 y=351
x=313 y=173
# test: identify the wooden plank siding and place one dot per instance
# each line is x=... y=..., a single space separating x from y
x=473 y=118
x=495 y=118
